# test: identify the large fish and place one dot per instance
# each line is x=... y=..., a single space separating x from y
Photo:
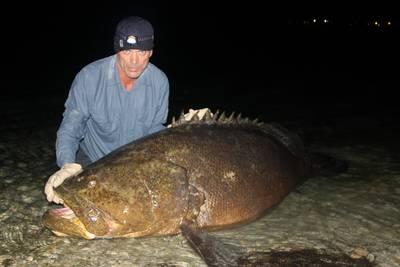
x=213 y=173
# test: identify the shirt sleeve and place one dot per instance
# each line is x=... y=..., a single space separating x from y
x=161 y=115
x=71 y=130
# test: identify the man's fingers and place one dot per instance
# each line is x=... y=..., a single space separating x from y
x=49 y=195
x=57 y=200
x=52 y=196
x=188 y=116
x=202 y=112
x=55 y=180
x=59 y=180
x=48 y=189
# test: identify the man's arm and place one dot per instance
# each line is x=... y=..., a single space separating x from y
x=68 y=136
x=162 y=113
x=72 y=127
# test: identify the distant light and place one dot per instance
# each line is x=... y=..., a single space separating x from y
x=314 y=20
x=376 y=23
x=325 y=21
x=389 y=23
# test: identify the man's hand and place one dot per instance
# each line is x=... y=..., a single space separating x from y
x=66 y=171
x=201 y=113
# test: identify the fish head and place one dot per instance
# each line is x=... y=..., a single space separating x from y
x=81 y=216
x=120 y=201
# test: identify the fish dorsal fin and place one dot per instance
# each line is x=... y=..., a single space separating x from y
x=290 y=140
x=217 y=117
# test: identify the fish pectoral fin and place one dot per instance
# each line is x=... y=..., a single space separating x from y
x=213 y=251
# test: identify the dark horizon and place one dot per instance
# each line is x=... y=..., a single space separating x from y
x=245 y=53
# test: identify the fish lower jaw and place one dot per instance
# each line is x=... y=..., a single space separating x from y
x=68 y=215
x=86 y=235
x=58 y=233
x=89 y=235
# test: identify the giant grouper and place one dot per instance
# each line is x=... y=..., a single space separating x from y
x=215 y=173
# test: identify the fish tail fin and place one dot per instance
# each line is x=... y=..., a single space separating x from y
x=326 y=165
x=213 y=251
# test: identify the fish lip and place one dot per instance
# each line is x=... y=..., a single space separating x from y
x=67 y=213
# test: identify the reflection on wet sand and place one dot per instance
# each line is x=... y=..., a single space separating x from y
x=354 y=213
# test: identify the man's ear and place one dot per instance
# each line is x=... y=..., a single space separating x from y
x=151 y=53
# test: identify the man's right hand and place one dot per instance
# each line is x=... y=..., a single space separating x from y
x=200 y=113
x=66 y=171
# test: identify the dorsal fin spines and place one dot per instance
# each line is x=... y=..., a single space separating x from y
x=216 y=114
x=217 y=117
x=207 y=116
x=182 y=116
x=173 y=123
x=222 y=117
x=231 y=117
x=276 y=131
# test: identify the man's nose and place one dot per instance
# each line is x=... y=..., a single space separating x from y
x=133 y=57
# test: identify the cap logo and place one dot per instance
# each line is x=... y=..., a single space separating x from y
x=131 y=40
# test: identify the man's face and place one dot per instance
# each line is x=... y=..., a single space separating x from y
x=133 y=62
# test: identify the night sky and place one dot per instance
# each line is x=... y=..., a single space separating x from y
x=264 y=57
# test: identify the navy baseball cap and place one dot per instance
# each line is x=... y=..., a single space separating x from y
x=133 y=33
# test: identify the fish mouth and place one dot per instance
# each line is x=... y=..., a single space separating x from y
x=64 y=222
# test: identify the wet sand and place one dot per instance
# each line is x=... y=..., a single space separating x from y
x=358 y=210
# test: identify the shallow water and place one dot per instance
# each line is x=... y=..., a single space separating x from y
x=357 y=209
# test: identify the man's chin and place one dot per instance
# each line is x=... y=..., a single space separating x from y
x=134 y=74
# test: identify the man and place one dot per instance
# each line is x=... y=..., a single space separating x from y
x=112 y=102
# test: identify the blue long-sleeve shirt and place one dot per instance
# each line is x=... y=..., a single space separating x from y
x=100 y=115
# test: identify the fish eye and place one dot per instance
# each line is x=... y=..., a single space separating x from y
x=93 y=215
x=92 y=184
